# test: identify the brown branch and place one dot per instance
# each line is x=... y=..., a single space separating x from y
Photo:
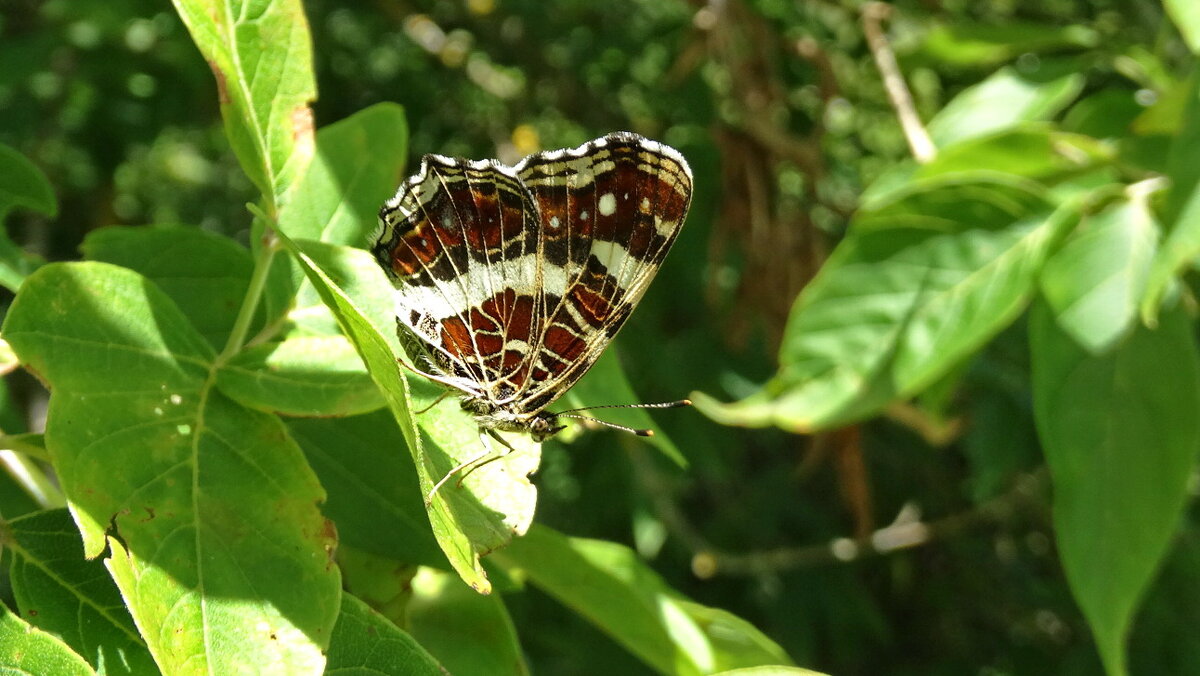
x=907 y=531
x=873 y=14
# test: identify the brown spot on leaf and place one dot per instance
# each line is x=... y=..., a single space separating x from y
x=222 y=87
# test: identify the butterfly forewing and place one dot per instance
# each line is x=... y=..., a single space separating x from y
x=610 y=211
x=515 y=279
x=459 y=242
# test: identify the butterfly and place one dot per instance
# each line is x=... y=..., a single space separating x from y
x=511 y=281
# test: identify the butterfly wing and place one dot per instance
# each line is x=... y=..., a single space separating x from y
x=609 y=211
x=459 y=242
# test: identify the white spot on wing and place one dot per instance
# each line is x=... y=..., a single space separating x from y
x=608 y=204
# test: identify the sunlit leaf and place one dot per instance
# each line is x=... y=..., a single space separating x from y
x=609 y=585
x=1005 y=99
x=204 y=273
x=988 y=44
x=918 y=285
x=60 y=592
x=301 y=376
x=1120 y=433
x=204 y=504
x=1186 y=15
x=494 y=502
x=260 y=53
x=1095 y=282
x=358 y=165
x=25 y=649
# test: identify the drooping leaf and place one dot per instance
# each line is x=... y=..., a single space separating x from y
x=301 y=376
x=494 y=502
x=60 y=592
x=260 y=53
x=374 y=496
x=358 y=165
x=25 y=649
x=1095 y=282
x=212 y=504
x=441 y=607
x=608 y=584
x=984 y=44
x=1004 y=100
x=918 y=285
x=366 y=644
x=1120 y=434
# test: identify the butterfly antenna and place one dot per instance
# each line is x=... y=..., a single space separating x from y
x=632 y=430
x=664 y=404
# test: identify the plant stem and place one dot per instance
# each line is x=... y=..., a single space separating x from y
x=258 y=282
x=30 y=477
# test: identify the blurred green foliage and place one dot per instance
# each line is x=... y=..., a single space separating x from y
x=1044 y=113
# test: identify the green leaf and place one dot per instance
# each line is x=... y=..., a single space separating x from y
x=301 y=376
x=1186 y=15
x=1120 y=433
x=918 y=285
x=205 y=274
x=1004 y=100
x=439 y=610
x=374 y=496
x=496 y=501
x=773 y=670
x=979 y=44
x=1095 y=282
x=25 y=649
x=610 y=586
x=1182 y=212
x=358 y=166
x=22 y=184
x=70 y=597
x=209 y=509
x=365 y=643
x=261 y=55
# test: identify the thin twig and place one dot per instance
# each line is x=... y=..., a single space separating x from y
x=873 y=14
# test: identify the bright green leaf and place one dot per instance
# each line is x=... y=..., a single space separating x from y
x=496 y=501
x=366 y=644
x=301 y=376
x=66 y=595
x=918 y=285
x=1095 y=282
x=374 y=496
x=25 y=649
x=261 y=55
x=1005 y=99
x=204 y=273
x=610 y=586
x=439 y=610
x=769 y=671
x=1120 y=433
x=1186 y=15
x=213 y=504
x=358 y=166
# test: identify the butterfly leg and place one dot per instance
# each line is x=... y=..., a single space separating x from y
x=463 y=469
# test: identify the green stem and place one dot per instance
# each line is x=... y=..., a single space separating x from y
x=258 y=282
x=29 y=475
